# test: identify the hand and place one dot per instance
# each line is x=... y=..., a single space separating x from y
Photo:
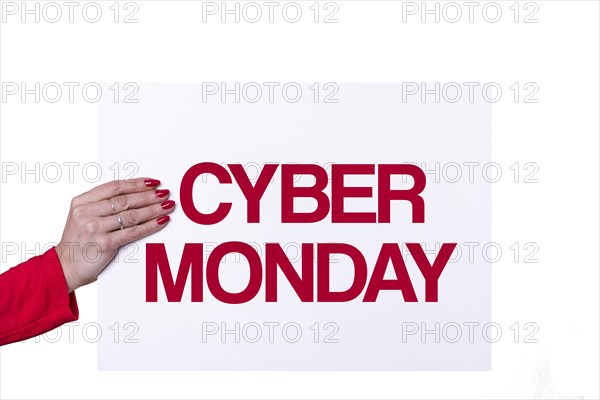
x=106 y=218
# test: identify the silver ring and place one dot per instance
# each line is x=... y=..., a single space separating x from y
x=113 y=206
x=120 y=220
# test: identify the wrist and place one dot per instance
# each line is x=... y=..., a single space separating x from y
x=66 y=264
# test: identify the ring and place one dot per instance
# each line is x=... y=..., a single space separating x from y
x=120 y=220
x=113 y=206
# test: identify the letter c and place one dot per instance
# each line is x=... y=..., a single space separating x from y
x=187 y=194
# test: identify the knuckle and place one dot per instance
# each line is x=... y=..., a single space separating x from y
x=135 y=232
x=75 y=201
x=115 y=187
x=92 y=226
x=78 y=212
x=121 y=202
x=132 y=217
x=150 y=196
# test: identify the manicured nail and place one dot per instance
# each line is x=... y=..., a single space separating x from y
x=151 y=182
x=163 y=220
x=162 y=193
x=167 y=204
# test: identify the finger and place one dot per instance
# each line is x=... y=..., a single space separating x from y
x=129 y=201
x=128 y=235
x=116 y=188
x=137 y=216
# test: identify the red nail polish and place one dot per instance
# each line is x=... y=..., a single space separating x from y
x=151 y=182
x=167 y=204
x=163 y=220
x=162 y=193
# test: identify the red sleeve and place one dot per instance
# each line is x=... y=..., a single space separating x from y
x=34 y=298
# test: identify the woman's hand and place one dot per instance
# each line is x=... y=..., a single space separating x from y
x=104 y=219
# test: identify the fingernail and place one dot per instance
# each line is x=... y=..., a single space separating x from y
x=167 y=204
x=163 y=220
x=162 y=193
x=151 y=182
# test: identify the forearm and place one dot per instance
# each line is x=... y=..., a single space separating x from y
x=34 y=298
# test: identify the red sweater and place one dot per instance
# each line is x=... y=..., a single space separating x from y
x=34 y=299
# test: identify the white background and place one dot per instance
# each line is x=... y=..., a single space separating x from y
x=370 y=44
